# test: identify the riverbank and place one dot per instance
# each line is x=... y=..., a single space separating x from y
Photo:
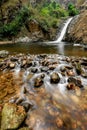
x=47 y=89
x=6 y=42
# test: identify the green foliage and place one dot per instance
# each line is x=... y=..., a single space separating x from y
x=12 y=28
x=72 y=10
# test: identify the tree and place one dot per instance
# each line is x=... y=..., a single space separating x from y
x=1 y=12
x=72 y=9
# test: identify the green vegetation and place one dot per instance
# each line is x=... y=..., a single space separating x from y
x=12 y=28
x=72 y=10
x=48 y=15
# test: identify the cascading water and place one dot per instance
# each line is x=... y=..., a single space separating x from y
x=63 y=32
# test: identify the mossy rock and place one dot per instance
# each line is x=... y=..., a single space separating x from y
x=12 y=116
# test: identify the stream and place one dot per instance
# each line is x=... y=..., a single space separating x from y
x=49 y=80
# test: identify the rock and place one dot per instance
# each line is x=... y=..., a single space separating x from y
x=13 y=59
x=24 y=39
x=29 y=63
x=1 y=64
x=77 y=30
x=54 y=78
x=77 y=82
x=62 y=69
x=23 y=63
x=12 y=116
x=11 y=65
x=24 y=128
x=42 y=76
x=26 y=105
x=84 y=63
x=44 y=69
x=34 y=70
x=38 y=82
x=52 y=67
x=78 y=69
x=70 y=73
x=71 y=86
x=84 y=75
x=4 y=53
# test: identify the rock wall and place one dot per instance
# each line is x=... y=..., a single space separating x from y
x=77 y=31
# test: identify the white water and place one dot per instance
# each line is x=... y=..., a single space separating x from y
x=63 y=32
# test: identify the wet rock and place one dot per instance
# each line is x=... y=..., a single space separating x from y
x=29 y=63
x=78 y=69
x=54 y=78
x=12 y=116
x=26 y=105
x=71 y=86
x=71 y=80
x=62 y=69
x=38 y=82
x=52 y=67
x=84 y=63
x=70 y=73
x=13 y=59
x=77 y=82
x=4 y=53
x=42 y=76
x=34 y=70
x=44 y=69
x=23 y=63
x=19 y=100
x=42 y=56
x=11 y=65
x=69 y=67
x=84 y=75
x=1 y=64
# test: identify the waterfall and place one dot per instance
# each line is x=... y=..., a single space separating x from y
x=63 y=31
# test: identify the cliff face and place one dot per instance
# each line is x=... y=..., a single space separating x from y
x=77 y=31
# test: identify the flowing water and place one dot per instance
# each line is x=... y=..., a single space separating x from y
x=53 y=106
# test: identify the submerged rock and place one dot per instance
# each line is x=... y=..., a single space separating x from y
x=12 y=116
x=54 y=78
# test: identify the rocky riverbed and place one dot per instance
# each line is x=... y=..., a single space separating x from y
x=43 y=92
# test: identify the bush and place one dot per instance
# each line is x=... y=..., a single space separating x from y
x=72 y=10
x=14 y=26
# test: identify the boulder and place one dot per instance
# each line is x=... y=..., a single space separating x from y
x=54 y=78
x=11 y=65
x=71 y=86
x=4 y=53
x=77 y=82
x=12 y=116
x=38 y=82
